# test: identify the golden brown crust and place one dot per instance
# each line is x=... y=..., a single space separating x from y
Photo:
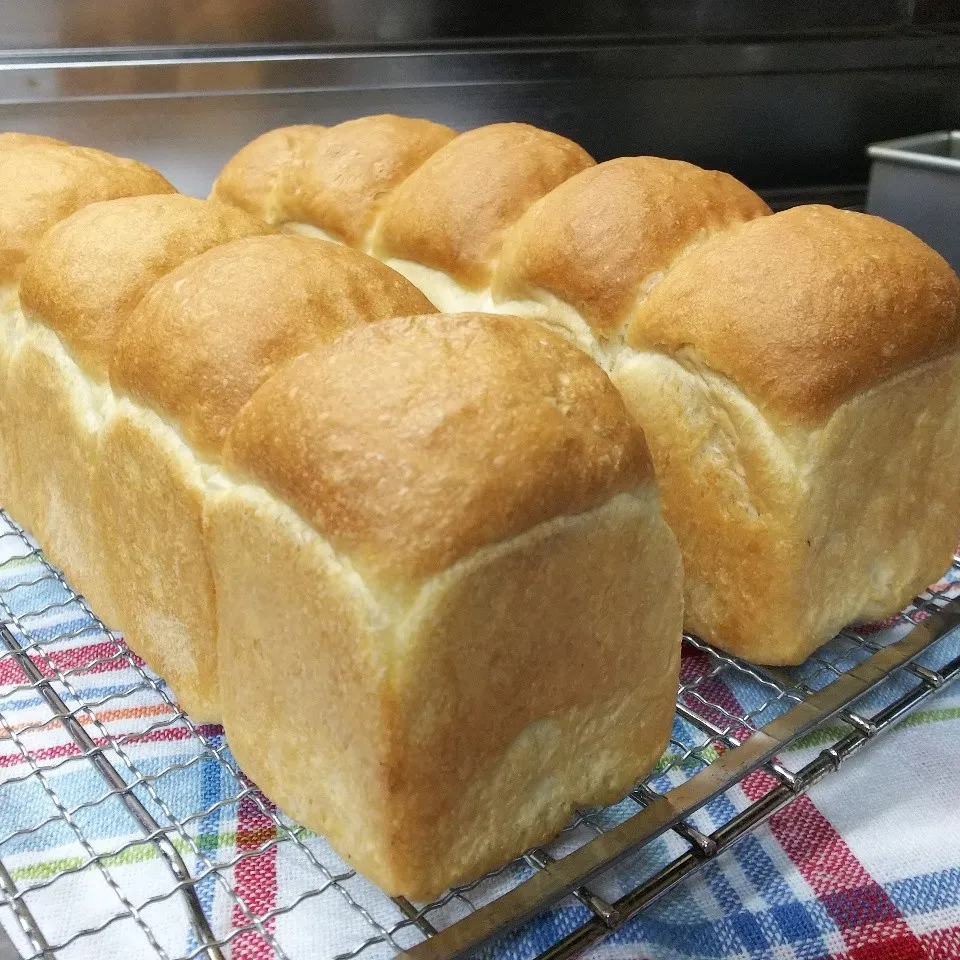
x=451 y=214
x=259 y=176
x=805 y=308
x=91 y=269
x=208 y=334
x=332 y=178
x=43 y=180
x=595 y=241
x=353 y=169
x=414 y=441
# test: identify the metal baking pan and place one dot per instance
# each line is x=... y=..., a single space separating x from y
x=916 y=182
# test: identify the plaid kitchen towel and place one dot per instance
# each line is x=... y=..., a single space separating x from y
x=866 y=866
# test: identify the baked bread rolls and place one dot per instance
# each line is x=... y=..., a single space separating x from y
x=43 y=180
x=435 y=206
x=186 y=361
x=453 y=525
x=505 y=219
x=77 y=288
x=799 y=381
x=794 y=518
x=127 y=379
x=417 y=566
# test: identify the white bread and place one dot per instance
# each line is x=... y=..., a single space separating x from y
x=76 y=290
x=437 y=538
x=188 y=358
x=452 y=524
x=62 y=179
x=799 y=379
x=793 y=520
x=117 y=491
x=505 y=218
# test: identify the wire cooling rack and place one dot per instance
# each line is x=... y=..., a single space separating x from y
x=127 y=830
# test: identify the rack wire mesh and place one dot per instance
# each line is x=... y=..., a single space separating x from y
x=123 y=823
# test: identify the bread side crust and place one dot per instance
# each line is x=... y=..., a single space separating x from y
x=790 y=533
x=9 y=321
x=431 y=742
x=148 y=494
x=55 y=414
x=448 y=296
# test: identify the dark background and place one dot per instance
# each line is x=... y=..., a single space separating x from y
x=785 y=94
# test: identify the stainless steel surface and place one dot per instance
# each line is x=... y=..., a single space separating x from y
x=781 y=115
x=933 y=151
x=106 y=23
x=712 y=750
x=44 y=76
x=915 y=181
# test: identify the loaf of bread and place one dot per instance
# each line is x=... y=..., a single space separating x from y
x=120 y=307
x=794 y=373
x=76 y=289
x=416 y=563
x=505 y=218
x=43 y=180
x=453 y=526
x=800 y=378
x=192 y=353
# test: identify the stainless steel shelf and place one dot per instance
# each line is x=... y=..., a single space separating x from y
x=779 y=112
